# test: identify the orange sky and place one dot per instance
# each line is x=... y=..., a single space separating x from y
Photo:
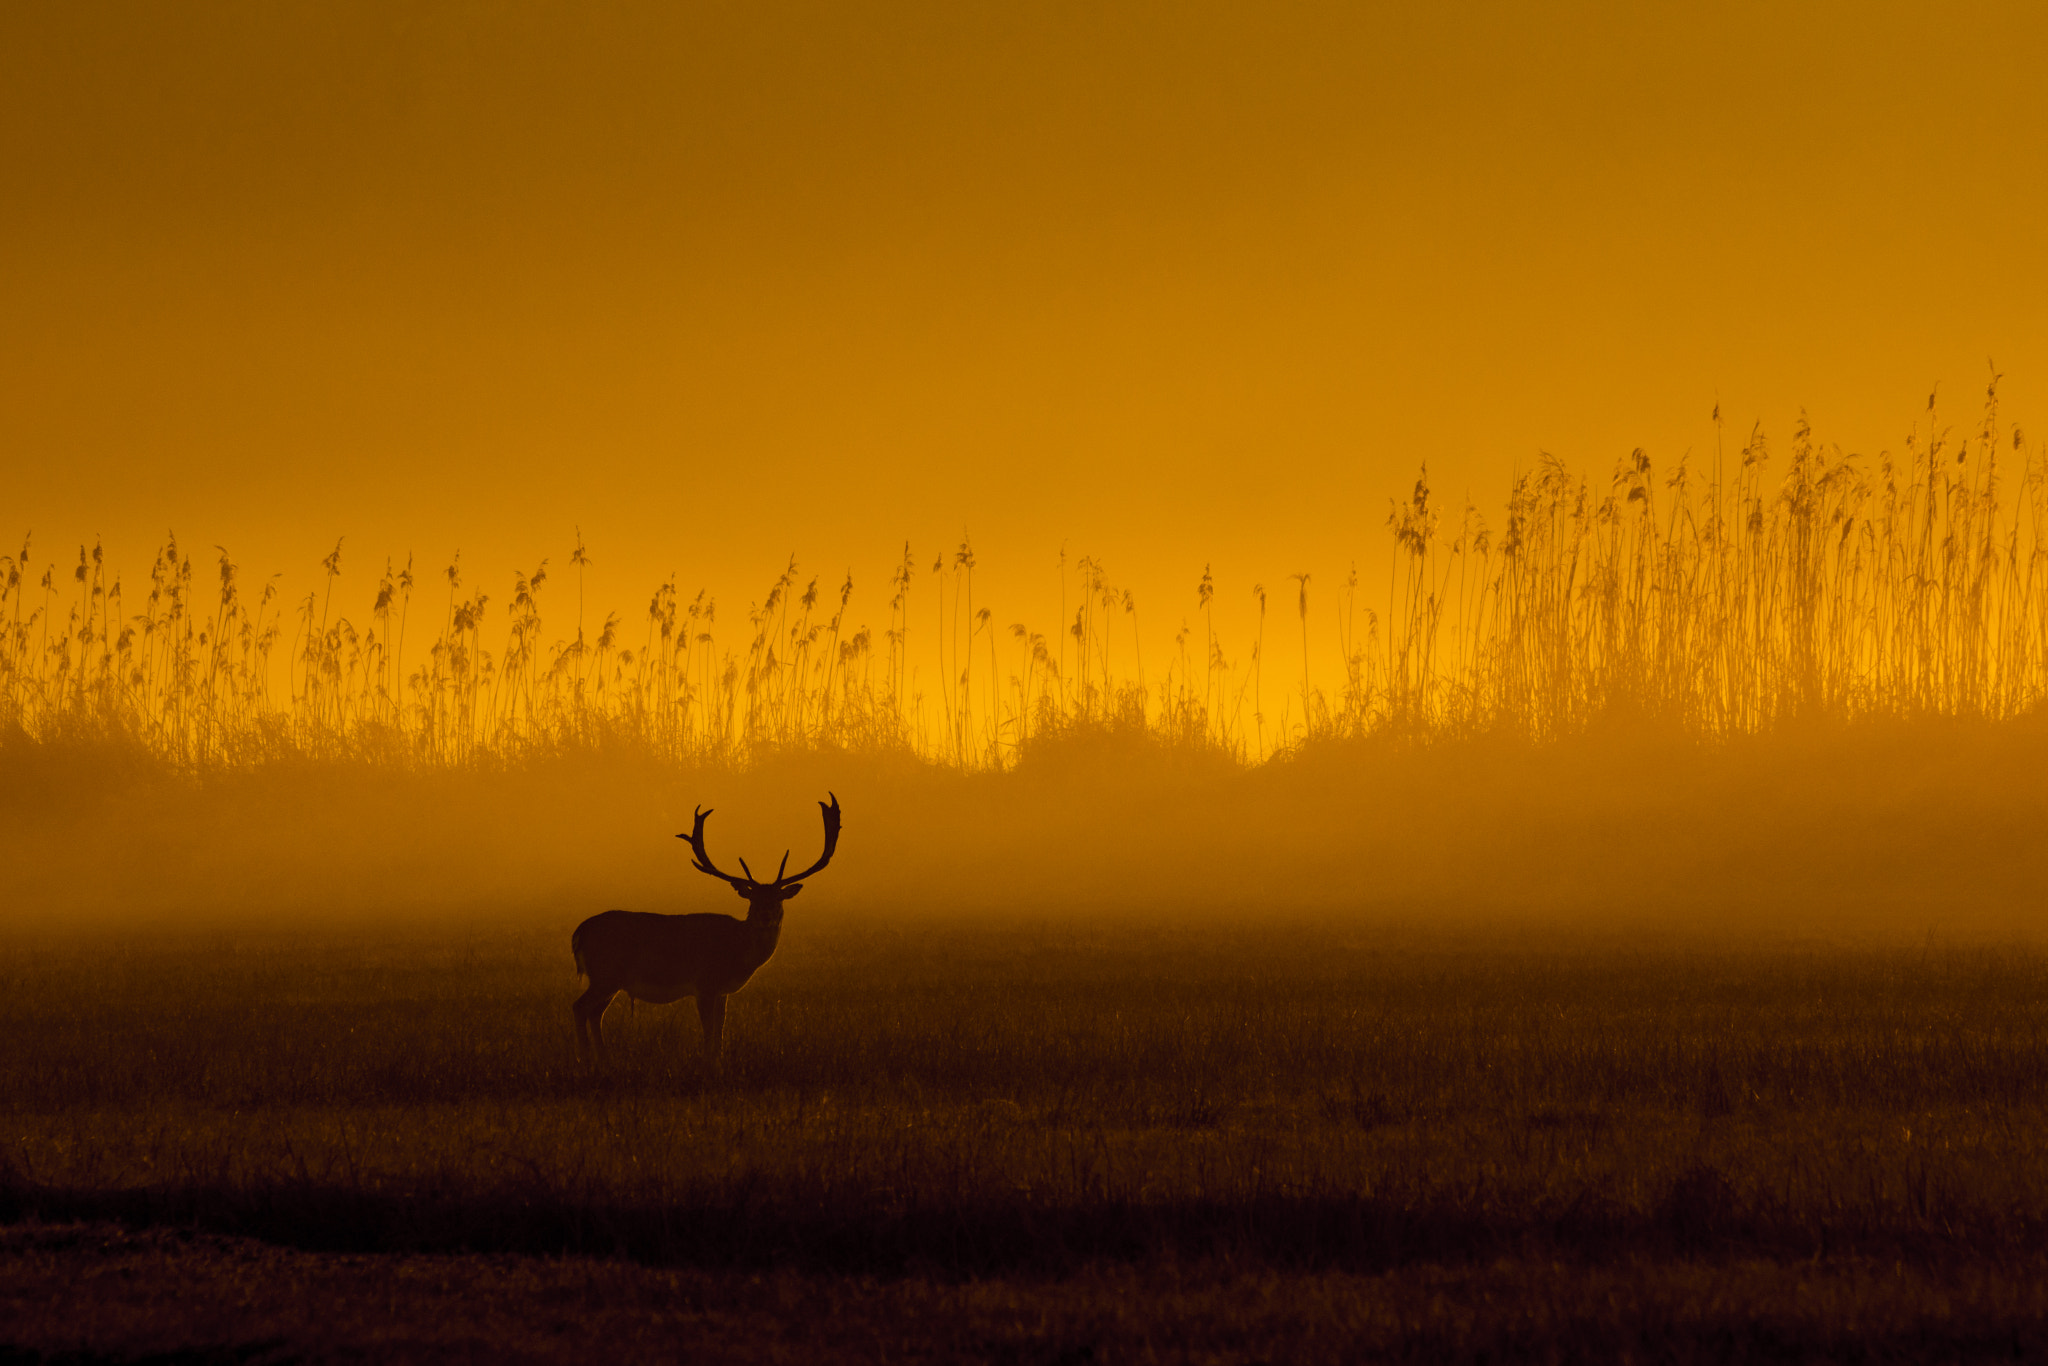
x=1168 y=284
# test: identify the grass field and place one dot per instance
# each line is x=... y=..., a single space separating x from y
x=1027 y=1141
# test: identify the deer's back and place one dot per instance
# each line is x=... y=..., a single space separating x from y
x=666 y=957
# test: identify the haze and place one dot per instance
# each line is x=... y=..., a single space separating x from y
x=1173 y=286
x=1278 y=916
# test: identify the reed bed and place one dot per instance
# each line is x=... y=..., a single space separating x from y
x=1723 y=600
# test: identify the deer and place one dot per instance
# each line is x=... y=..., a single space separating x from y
x=663 y=958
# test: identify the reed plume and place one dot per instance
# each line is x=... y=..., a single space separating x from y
x=1815 y=584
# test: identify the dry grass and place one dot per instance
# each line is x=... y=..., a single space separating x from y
x=1725 y=596
x=1049 y=1136
x=1233 y=1099
x=103 y=1293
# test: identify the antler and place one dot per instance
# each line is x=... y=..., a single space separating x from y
x=831 y=842
x=703 y=861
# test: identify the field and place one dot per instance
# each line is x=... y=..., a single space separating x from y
x=1033 y=1140
x=1375 y=827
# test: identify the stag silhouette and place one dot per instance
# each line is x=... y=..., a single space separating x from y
x=663 y=958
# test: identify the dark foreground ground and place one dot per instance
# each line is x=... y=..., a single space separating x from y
x=1034 y=1143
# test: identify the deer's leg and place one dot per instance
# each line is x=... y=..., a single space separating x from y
x=589 y=1011
x=711 y=1010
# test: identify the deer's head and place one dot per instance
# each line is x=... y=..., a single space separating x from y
x=765 y=898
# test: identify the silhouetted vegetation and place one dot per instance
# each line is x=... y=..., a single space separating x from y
x=1451 y=1010
x=1725 y=596
x=954 y=1111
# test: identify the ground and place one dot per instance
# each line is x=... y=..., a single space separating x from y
x=1027 y=1142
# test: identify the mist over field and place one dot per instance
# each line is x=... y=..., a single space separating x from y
x=1785 y=691
x=1902 y=829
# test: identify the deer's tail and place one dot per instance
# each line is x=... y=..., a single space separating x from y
x=576 y=950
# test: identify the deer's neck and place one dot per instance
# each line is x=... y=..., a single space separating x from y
x=766 y=927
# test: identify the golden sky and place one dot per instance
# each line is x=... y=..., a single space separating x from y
x=1167 y=284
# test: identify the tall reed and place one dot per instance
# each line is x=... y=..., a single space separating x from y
x=1723 y=601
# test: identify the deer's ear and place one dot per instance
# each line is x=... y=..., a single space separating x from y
x=789 y=892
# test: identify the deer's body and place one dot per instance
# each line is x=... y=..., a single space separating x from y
x=659 y=959
x=663 y=958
